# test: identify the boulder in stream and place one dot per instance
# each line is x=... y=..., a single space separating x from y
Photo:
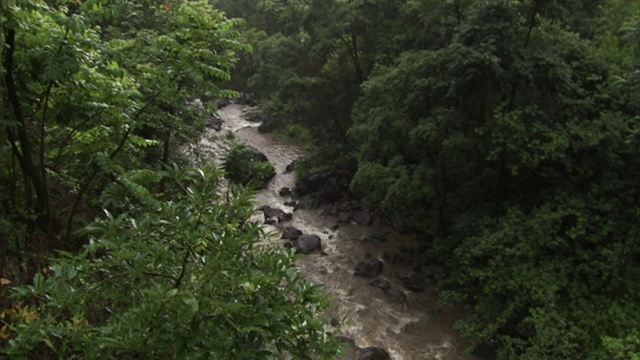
x=247 y=165
x=373 y=353
x=381 y=284
x=285 y=191
x=270 y=212
x=290 y=233
x=374 y=239
x=369 y=268
x=307 y=244
x=415 y=281
x=397 y=295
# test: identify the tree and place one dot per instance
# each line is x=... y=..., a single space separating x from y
x=185 y=275
x=94 y=87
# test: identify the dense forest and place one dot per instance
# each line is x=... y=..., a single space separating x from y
x=503 y=133
x=114 y=241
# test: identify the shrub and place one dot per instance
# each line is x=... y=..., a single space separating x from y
x=178 y=277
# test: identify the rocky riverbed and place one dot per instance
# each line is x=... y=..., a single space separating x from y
x=382 y=300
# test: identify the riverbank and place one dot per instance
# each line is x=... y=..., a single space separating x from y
x=374 y=309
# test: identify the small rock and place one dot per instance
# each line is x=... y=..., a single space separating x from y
x=285 y=217
x=414 y=281
x=371 y=267
x=373 y=353
x=285 y=191
x=362 y=217
x=270 y=212
x=290 y=233
x=374 y=238
x=381 y=284
x=335 y=322
x=307 y=244
x=345 y=339
x=291 y=203
x=397 y=295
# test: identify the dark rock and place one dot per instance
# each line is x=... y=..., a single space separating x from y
x=285 y=216
x=247 y=165
x=381 y=284
x=392 y=257
x=414 y=281
x=285 y=191
x=267 y=126
x=290 y=233
x=373 y=353
x=295 y=164
x=371 y=268
x=313 y=183
x=308 y=204
x=374 y=238
x=254 y=115
x=222 y=102
x=397 y=295
x=335 y=322
x=335 y=227
x=270 y=212
x=216 y=122
x=307 y=244
x=344 y=217
x=248 y=99
x=289 y=244
x=345 y=339
x=291 y=203
x=362 y=217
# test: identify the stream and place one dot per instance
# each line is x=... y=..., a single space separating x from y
x=413 y=330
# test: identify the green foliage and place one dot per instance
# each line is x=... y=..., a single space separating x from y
x=506 y=129
x=185 y=276
x=94 y=87
x=245 y=165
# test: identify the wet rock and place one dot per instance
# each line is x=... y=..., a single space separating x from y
x=216 y=122
x=381 y=284
x=270 y=212
x=295 y=164
x=373 y=353
x=290 y=233
x=266 y=126
x=285 y=191
x=374 y=238
x=345 y=339
x=248 y=99
x=327 y=185
x=414 y=281
x=247 y=165
x=335 y=322
x=344 y=217
x=291 y=203
x=222 y=102
x=285 y=216
x=392 y=257
x=370 y=268
x=397 y=295
x=308 y=244
x=308 y=204
x=362 y=217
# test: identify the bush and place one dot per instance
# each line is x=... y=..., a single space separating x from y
x=247 y=166
x=181 y=277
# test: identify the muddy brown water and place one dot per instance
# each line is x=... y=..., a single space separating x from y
x=410 y=331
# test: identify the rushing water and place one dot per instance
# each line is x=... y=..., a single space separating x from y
x=410 y=331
